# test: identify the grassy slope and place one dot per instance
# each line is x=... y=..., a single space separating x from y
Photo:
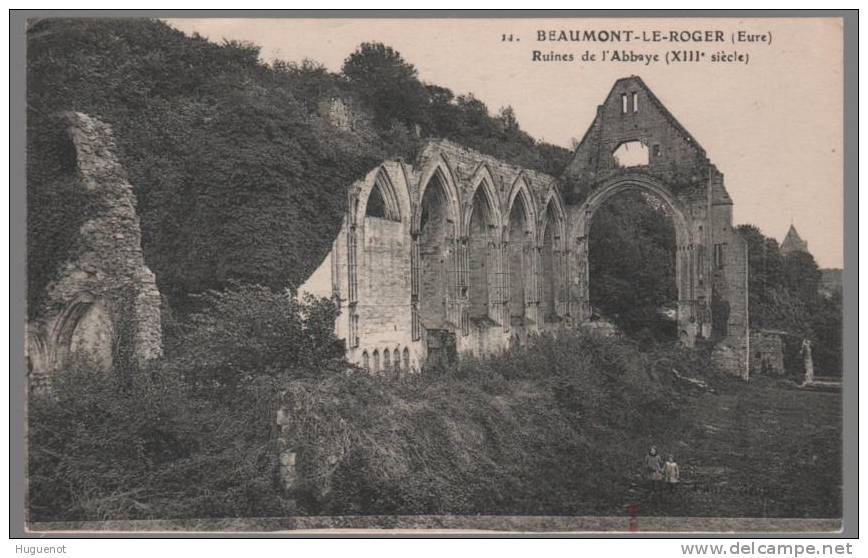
x=763 y=449
x=562 y=429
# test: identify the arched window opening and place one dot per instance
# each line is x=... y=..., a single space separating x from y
x=376 y=359
x=396 y=362
x=482 y=233
x=435 y=254
x=376 y=205
x=406 y=356
x=382 y=201
x=520 y=268
x=366 y=364
x=631 y=154
x=387 y=361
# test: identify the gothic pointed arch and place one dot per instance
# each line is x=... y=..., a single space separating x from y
x=380 y=199
x=641 y=182
x=553 y=213
x=520 y=264
x=437 y=254
x=482 y=227
x=554 y=272
x=519 y=193
x=439 y=173
x=689 y=260
x=482 y=183
x=84 y=326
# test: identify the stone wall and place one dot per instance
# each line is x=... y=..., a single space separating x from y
x=728 y=260
x=632 y=113
x=102 y=299
x=336 y=112
x=767 y=353
x=408 y=273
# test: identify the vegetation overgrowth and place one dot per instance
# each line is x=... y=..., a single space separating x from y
x=240 y=186
x=558 y=427
x=238 y=177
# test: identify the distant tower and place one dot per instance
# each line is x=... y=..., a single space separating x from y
x=793 y=242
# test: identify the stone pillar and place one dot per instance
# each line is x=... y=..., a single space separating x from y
x=581 y=282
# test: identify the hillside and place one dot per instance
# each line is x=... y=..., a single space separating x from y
x=238 y=177
x=556 y=429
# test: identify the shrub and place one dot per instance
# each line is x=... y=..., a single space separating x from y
x=553 y=428
x=250 y=331
x=190 y=436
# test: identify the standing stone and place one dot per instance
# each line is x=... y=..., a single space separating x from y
x=809 y=362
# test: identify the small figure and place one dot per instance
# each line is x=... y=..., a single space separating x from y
x=671 y=473
x=653 y=465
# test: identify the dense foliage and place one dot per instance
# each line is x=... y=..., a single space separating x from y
x=632 y=260
x=556 y=428
x=235 y=179
x=104 y=447
x=785 y=296
x=237 y=176
x=56 y=206
x=519 y=433
x=195 y=435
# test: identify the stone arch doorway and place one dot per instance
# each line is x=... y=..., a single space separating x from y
x=688 y=252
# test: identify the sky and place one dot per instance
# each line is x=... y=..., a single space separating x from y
x=773 y=126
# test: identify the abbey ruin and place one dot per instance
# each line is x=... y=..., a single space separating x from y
x=455 y=253
x=459 y=253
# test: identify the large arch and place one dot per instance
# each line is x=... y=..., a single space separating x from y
x=520 y=255
x=482 y=225
x=686 y=261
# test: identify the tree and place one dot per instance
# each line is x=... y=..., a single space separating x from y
x=506 y=116
x=801 y=275
x=249 y=331
x=784 y=295
x=388 y=84
x=234 y=180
